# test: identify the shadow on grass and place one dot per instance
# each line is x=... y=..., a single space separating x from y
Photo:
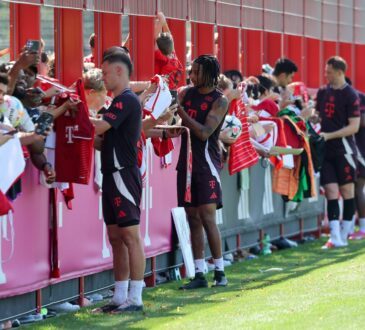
x=165 y=301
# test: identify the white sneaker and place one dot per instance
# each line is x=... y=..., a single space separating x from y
x=65 y=307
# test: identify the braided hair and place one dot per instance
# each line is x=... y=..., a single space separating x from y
x=211 y=70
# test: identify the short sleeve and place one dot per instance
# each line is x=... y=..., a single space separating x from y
x=353 y=107
x=119 y=110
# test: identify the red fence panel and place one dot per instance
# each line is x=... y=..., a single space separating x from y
x=313 y=65
x=273 y=47
x=347 y=52
x=359 y=63
x=252 y=49
x=68 y=45
x=202 y=39
x=24 y=25
x=294 y=49
x=229 y=48
x=108 y=33
x=142 y=46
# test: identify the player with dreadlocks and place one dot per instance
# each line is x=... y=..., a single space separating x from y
x=202 y=109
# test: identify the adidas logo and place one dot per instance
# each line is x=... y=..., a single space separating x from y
x=213 y=196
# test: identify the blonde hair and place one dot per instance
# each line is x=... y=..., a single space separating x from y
x=93 y=80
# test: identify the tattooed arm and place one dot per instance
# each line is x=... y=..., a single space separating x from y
x=214 y=118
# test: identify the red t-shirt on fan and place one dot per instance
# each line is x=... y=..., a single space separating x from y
x=74 y=143
x=169 y=65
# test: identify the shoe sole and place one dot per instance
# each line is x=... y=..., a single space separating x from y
x=130 y=309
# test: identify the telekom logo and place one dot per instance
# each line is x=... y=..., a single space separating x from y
x=70 y=131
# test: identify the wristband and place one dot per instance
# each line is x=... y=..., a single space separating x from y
x=164 y=135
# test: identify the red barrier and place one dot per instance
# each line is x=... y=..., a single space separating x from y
x=347 y=52
x=202 y=39
x=293 y=49
x=25 y=24
x=142 y=45
x=83 y=246
x=273 y=47
x=313 y=64
x=108 y=33
x=252 y=51
x=229 y=48
x=359 y=62
x=68 y=38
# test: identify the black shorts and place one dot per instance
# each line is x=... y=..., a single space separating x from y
x=121 y=196
x=360 y=166
x=205 y=189
x=339 y=169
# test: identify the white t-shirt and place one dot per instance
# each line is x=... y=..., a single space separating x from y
x=13 y=109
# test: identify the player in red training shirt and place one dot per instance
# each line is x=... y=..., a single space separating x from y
x=338 y=108
x=166 y=61
x=203 y=109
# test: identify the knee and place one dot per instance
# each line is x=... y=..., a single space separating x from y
x=131 y=240
x=115 y=241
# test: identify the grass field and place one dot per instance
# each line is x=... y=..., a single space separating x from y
x=315 y=290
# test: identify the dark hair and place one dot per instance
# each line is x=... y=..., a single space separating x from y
x=119 y=57
x=4 y=78
x=348 y=80
x=165 y=43
x=33 y=69
x=115 y=49
x=265 y=84
x=338 y=63
x=92 y=40
x=284 y=65
x=211 y=69
x=44 y=57
x=233 y=74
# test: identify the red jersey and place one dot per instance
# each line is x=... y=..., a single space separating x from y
x=74 y=143
x=169 y=65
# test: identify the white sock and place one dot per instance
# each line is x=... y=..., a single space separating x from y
x=345 y=230
x=120 y=292
x=219 y=264
x=352 y=230
x=362 y=224
x=135 y=292
x=199 y=265
x=335 y=232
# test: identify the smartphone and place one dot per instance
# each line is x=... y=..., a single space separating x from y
x=44 y=121
x=33 y=46
x=174 y=97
